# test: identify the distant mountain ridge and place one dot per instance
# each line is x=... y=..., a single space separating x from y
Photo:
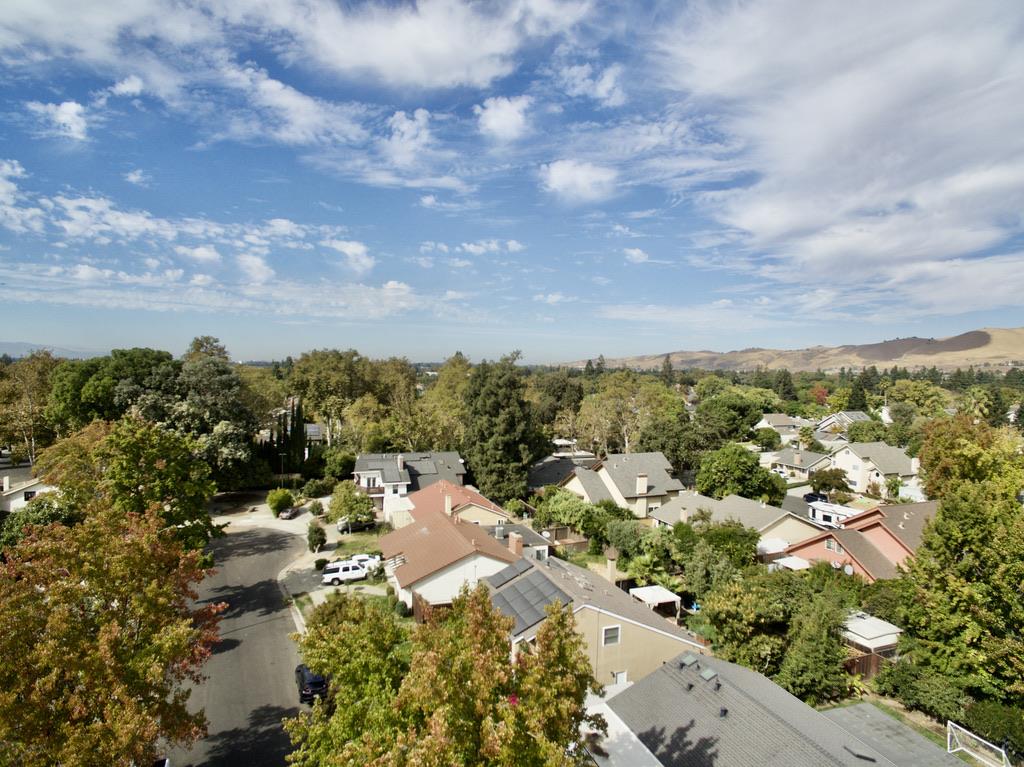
x=22 y=349
x=987 y=347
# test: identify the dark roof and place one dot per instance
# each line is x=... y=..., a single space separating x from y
x=890 y=737
x=624 y=467
x=530 y=536
x=421 y=469
x=794 y=504
x=907 y=520
x=676 y=712
x=581 y=587
x=593 y=485
x=554 y=468
x=525 y=599
x=865 y=552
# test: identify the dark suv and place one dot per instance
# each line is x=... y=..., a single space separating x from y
x=310 y=685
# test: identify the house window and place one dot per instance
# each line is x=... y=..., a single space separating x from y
x=618 y=677
x=371 y=481
x=29 y=495
x=833 y=545
x=654 y=507
x=610 y=635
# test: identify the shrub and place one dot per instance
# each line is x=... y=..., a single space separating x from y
x=401 y=610
x=841 y=498
x=390 y=590
x=315 y=536
x=515 y=507
x=338 y=463
x=1002 y=725
x=316 y=509
x=279 y=499
x=625 y=535
x=348 y=501
x=938 y=696
x=320 y=564
x=317 y=488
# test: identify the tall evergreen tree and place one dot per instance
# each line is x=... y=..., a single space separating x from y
x=501 y=438
x=812 y=668
x=667 y=374
x=858 y=397
x=783 y=385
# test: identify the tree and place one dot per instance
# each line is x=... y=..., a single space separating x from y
x=867 y=431
x=958 y=450
x=668 y=376
x=98 y=631
x=329 y=381
x=316 y=537
x=812 y=668
x=750 y=621
x=767 y=439
x=858 y=399
x=501 y=438
x=135 y=466
x=279 y=499
x=43 y=510
x=829 y=481
x=338 y=463
x=735 y=470
x=442 y=409
x=621 y=410
x=783 y=385
x=728 y=416
x=348 y=502
x=207 y=346
x=732 y=540
x=24 y=390
x=706 y=570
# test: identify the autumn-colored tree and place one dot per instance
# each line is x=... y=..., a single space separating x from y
x=97 y=632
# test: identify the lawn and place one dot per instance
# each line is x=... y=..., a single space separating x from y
x=354 y=543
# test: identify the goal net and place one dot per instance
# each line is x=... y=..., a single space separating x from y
x=962 y=740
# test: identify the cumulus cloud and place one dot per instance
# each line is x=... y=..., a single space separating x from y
x=137 y=177
x=357 y=256
x=129 y=86
x=503 y=118
x=578 y=182
x=203 y=253
x=553 y=298
x=636 y=255
x=255 y=268
x=603 y=86
x=65 y=120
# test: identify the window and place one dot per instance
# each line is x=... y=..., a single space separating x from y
x=833 y=545
x=826 y=518
x=30 y=494
x=610 y=635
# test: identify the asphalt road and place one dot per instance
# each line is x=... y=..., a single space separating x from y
x=251 y=674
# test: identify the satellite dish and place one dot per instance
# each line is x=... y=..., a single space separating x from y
x=546 y=533
x=848 y=569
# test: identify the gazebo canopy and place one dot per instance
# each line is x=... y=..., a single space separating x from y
x=652 y=596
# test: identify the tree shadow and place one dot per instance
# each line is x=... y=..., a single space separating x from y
x=258 y=600
x=225 y=644
x=248 y=543
x=263 y=743
x=677 y=749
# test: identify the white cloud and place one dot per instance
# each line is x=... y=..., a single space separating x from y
x=129 y=86
x=137 y=177
x=636 y=256
x=430 y=247
x=604 y=87
x=432 y=202
x=201 y=280
x=15 y=215
x=576 y=181
x=203 y=253
x=410 y=137
x=356 y=254
x=65 y=120
x=98 y=218
x=255 y=268
x=459 y=263
x=480 y=247
x=503 y=118
x=514 y=246
x=553 y=298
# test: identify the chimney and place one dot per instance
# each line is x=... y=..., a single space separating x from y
x=515 y=544
x=448 y=504
x=641 y=484
x=401 y=462
x=7 y=484
x=798 y=459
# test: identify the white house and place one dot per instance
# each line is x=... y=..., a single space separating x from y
x=799 y=464
x=867 y=463
x=640 y=482
x=389 y=477
x=16 y=495
x=786 y=426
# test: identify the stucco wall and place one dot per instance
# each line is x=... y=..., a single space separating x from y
x=479 y=515
x=444 y=585
x=790 y=529
x=817 y=552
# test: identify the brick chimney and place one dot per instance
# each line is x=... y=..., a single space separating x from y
x=515 y=544
x=448 y=504
x=641 y=484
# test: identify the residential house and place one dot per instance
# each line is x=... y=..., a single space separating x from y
x=840 y=422
x=786 y=426
x=428 y=562
x=694 y=711
x=873 y=543
x=460 y=502
x=778 y=527
x=16 y=495
x=555 y=469
x=534 y=545
x=624 y=640
x=831 y=440
x=875 y=463
x=389 y=477
x=640 y=482
x=799 y=464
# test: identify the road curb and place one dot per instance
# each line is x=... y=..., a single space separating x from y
x=300 y=622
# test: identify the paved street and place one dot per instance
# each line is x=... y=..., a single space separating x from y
x=251 y=682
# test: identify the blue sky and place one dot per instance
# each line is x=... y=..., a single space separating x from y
x=563 y=177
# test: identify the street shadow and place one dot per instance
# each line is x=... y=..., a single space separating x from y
x=256 y=600
x=226 y=644
x=676 y=748
x=248 y=543
x=263 y=743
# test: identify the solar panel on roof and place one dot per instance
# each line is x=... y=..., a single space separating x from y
x=688 y=660
x=708 y=674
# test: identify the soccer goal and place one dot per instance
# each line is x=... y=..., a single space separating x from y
x=959 y=739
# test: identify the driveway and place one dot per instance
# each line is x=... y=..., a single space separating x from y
x=251 y=674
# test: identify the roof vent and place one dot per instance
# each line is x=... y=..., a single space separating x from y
x=718 y=685
x=708 y=674
x=689 y=686
x=723 y=712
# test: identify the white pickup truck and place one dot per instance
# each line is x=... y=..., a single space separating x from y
x=354 y=568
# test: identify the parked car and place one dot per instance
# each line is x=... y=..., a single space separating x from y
x=344 y=526
x=813 y=497
x=346 y=570
x=310 y=685
x=369 y=561
x=290 y=513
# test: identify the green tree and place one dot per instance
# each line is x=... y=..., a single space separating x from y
x=43 y=510
x=783 y=386
x=812 y=668
x=958 y=450
x=24 y=390
x=501 y=439
x=98 y=632
x=347 y=501
x=767 y=439
x=858 y=399
x=735 y=470
x=442 y=409
x=206 y=346
x=279 y=499
x=867 y=431
x=316 y=537
x=668 y=376
x=706 y=570
x=750 y=621
x=732 y=540
x=829 y=481
x=338 y=463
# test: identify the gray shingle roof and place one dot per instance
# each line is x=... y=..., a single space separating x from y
x=421 y=469
x=677 y=713
x=888 y=459
x=891 y=738
x=865 y=552
x=593 y=485
x=530 y=536
x=749 y=513
x=788 y=457
x=623 y=468
x=554 y=468
x=907 y=520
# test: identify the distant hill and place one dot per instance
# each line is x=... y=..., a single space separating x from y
x=993 y=347
x=21 y=349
